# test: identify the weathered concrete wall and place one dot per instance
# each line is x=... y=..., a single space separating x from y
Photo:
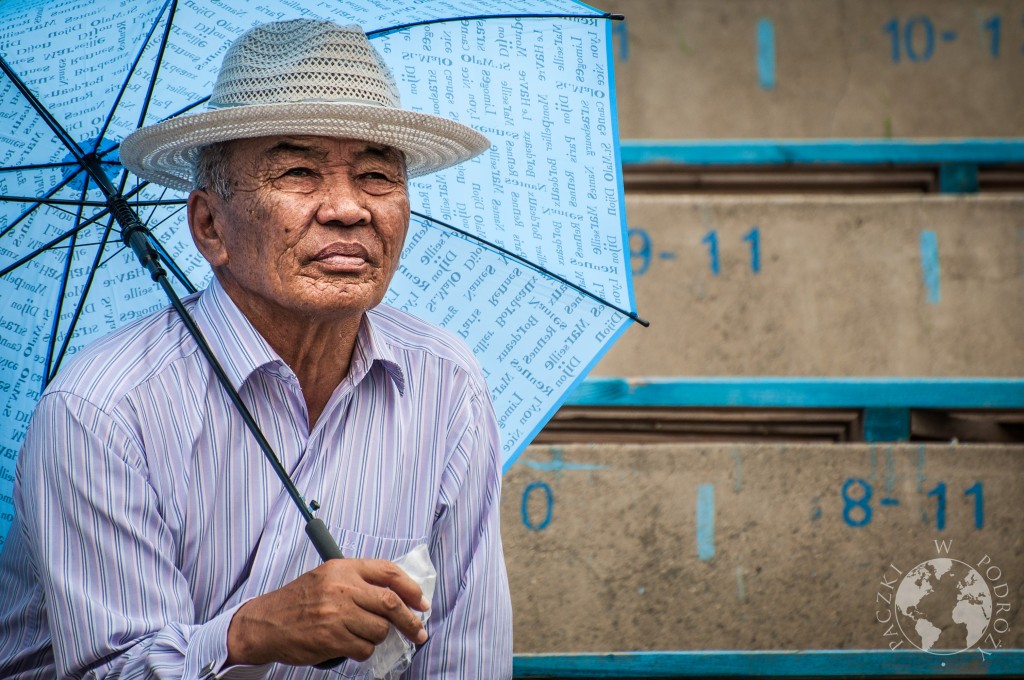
x=825 y=286
x=674 y=547
x=819 y=68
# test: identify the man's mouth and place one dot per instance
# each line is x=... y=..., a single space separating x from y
x=343 y=256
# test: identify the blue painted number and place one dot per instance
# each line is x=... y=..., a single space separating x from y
x=918 y=39
x=977 y=490
x=711 y=239
x=993 y=26
x=861 y=503
x=549 y=500
x=857 y=509
x=639 y=250
x=754 y=238
x=940 y=511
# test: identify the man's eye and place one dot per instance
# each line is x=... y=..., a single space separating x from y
x=377 y=183
x=299 y=172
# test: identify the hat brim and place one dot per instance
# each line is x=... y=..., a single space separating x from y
x=165 y=153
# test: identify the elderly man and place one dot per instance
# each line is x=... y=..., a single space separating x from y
x=151 y=538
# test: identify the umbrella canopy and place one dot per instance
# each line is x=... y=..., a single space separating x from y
x=521 y=252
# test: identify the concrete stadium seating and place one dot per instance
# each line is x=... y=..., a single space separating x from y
x=750 y=546
x=825 y=286
x=693 y=69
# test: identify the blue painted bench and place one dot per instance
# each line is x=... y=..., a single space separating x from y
x=774 y=664
x=887 y=402
x=958 y=159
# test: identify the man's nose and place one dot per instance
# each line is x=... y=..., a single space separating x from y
x=342 y=203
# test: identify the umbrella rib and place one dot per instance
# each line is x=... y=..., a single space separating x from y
x=153 y=211
x=51 y=201
x=47 y=246
x=131 y=72
x=536 y=267
x=55 y=202
x=71 y=201
x=184 y=109
x=165 y=257
x=173 y=266
x=38 y=202
x=478 y=17
x=120 y=249
x=171 y=8
x=56 y=205
x=52 y=341
x=38 y=166
x=81 y=298
x=47 y=117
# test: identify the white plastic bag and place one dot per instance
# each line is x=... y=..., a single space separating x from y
x=394 y=655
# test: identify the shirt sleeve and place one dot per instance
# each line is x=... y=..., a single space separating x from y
x=470 y=626
x=117 y=604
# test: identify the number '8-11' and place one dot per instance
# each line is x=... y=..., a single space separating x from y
x=858 y=509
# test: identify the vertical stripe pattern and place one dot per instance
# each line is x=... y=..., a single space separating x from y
x=146 y=515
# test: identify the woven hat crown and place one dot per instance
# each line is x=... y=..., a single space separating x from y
x=300 y=77
x=303 y=61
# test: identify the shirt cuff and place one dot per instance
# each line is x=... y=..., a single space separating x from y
x=209 y=651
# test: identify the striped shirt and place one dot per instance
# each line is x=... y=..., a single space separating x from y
x=146 y=514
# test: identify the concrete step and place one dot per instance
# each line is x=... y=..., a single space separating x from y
x=825 y=286
x=834 y=68
x=615 y=548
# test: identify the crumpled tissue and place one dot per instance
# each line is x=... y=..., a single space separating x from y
x=394 y=655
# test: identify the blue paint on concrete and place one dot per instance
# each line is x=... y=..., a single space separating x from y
x=980 y=151
x=560 y=465
x=788 y=663
x=930 y=268
x=705 y=521
x=766 y=53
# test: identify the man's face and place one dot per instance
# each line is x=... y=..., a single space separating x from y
x=312 y=228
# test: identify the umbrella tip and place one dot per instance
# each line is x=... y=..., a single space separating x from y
x=643 y=322
x=615 y=17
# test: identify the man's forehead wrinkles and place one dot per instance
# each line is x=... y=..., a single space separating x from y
x=322 y=151
x=291 y=148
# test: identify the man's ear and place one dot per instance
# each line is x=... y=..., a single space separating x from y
x=204 y=221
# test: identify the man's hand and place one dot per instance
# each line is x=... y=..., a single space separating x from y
x=343 y=608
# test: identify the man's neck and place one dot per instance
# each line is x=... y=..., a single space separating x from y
x=317 y=349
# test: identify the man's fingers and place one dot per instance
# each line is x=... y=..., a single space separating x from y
x=369 y=627
x=387 y=604
x=389 y=575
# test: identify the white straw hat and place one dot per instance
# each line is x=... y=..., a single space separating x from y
x=300 y=77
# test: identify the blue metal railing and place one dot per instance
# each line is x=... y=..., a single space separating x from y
x=771 y=664
x=887 y=402
x=824 y=151
x=958 y=160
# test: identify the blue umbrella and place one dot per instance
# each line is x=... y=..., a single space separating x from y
x=521 y=251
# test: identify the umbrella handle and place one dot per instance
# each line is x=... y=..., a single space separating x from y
x=329 y=550
x=322 y=540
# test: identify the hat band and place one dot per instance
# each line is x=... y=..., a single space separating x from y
x=334 y=100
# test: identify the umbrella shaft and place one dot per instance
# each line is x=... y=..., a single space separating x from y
x=138 y=238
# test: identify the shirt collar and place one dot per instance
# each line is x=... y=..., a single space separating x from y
x=241 y=350
x=371 y=347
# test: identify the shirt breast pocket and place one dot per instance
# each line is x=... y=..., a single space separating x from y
x=292 y=554
x=356 y=545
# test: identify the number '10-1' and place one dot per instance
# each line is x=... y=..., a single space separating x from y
x=914 y=38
